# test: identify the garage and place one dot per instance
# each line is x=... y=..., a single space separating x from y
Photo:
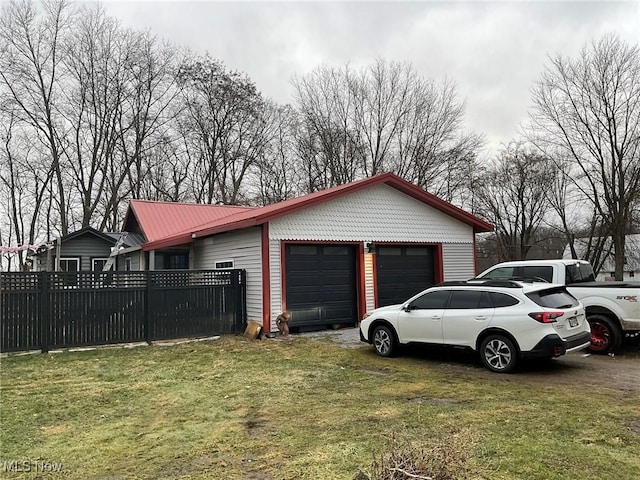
x=320 y=284
x=402 y=271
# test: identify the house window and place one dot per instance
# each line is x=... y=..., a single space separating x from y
x=631 y=274
x=176 y=261
x=97 y=264
x=224 y=265
x=69 y=264
x=127 y=264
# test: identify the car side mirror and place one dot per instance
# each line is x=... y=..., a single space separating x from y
x=408 y=307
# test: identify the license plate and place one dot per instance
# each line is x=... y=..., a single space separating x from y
x=573 y=321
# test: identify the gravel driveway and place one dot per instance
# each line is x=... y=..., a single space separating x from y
x=620 y=371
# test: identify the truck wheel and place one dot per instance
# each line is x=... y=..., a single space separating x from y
x=632 y=338
x=606 y=335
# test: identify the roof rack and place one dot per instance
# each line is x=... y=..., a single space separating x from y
x=481 y=283
x=453 y=283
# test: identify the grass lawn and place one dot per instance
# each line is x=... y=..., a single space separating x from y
x=302 y=409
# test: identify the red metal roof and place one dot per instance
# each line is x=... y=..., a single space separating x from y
x=161 y=220
x=256 y=216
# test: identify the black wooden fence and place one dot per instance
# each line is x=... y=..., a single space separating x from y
x=47 y=310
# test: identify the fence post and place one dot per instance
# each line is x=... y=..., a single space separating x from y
x=240 y=288
x=147 y=308
x=45 y=311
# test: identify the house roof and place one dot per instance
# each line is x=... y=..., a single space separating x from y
x=249 y=217
x=111 y=238
x=89 y=231
x=162 y=220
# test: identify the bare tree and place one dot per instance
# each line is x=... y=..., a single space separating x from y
x=30 y=76
x=384 y=117
x=224 y=127
x=383 y=97
x=150 y=104
x=167 y=178
x=511 y=193
x=329 y=144
x=430 y=144
x=277 y=171
x=25 y=181
x=148 y=108
x=589 y=109
x=94 y=59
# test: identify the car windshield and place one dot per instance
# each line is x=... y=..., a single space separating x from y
x=553 y=298
x=579 y=273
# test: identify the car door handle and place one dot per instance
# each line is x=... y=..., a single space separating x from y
x=481 y=317
x=436 y=317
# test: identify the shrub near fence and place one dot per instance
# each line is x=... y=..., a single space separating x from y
x=46 y=310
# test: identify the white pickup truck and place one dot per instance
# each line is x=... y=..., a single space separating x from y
x=613 y=308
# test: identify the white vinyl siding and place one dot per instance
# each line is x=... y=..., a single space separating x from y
x=243 y=247
x=379 y=214
x=276 y=283
x=458 y=261
x=370 y=296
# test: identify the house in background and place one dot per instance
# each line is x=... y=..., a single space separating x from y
x=607 y=272
x=84 y=250
x=326 y=257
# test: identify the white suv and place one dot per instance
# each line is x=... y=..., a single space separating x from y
x=505 y=321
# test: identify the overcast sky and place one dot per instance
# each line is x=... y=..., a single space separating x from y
x=493 y=51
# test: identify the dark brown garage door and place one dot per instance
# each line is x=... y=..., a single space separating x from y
x=403 y=271
x=321 y=284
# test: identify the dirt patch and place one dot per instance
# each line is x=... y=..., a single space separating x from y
x=255 y=426
x=54 y=430
x=381 y=373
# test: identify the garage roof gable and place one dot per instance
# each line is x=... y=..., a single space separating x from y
x=257 y=216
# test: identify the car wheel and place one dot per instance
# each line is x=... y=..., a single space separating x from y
x=499 y=354
x=606 y=336
x=383 y=341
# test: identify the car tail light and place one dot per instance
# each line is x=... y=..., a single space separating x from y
x=546 y=317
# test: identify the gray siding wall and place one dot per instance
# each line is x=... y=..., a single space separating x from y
x=244 y=248
x=86 y=248
x=135 y=257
